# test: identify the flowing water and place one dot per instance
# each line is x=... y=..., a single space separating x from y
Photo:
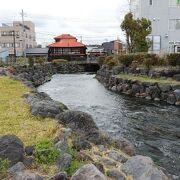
x=154 y=128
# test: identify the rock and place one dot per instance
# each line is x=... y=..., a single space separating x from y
x=99 y=166
x=177 y=103
x=108 y=161
x=46 y=108
x=98 y=137
x=27 y=176
x=62 y=145
x=148 y=97
x=115 y=155
x=82 y=156
x=60 y=176
x=114 y=89
x=115 y=174
x=125 y=146
x=177 y=94
x=11 y=148
x=18 y=167
x=135 y=89
x=81 y=144
x=176 y=77
x=164 y=87
x=153 y=92
x=29 y=150
x=28 y=161
x=171 y=99
x=64 y=161
x=141 y=168
x=156 y=99
x=88 y=172
x=81 y=122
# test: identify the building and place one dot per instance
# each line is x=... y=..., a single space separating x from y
x=165 y=18
x=67 y=47
x=23 y=36
x=113 y=47
x=37 y=52
x=3 y=54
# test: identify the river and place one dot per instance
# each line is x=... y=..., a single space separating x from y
x=154 y=128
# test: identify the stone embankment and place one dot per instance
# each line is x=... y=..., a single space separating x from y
x=156 y=91
x=39 y=74
x=105 y=158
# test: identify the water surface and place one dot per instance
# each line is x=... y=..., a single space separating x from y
x=153 y=128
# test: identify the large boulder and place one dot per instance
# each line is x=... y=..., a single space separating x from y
x=125 y=145
x=11 y=148
x=88 y=172
x=142 y=167
x=46 y=108
x=42 y=105
x=26 y=175
x=78 y=121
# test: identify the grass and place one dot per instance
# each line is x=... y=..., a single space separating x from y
x=3 y=168
x=15 y=117
x=144 y=78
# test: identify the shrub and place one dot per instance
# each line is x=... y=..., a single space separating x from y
x=45 y=152
x=3 y=168
x=22 y=61
x=31 y=61
x=126 y=60
x=101 y=60
x=110 y=61
x=148 y=63
x=173 y=59
x=59 y=61
x=40 y=60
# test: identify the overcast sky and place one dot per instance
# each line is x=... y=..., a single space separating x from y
x=95 y=20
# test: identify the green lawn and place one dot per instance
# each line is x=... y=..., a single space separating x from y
x=15 y=117
x=144 y=78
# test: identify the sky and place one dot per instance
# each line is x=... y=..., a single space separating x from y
x=95 y=21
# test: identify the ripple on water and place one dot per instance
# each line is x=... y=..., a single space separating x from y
x=154 y=128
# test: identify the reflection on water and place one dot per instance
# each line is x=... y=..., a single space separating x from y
x=153 y=128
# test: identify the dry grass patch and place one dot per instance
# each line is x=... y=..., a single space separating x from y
x=15 y=117
x=144 y=78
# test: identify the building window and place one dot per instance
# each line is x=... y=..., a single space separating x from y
x=155 y=42
x=174 y=24
x=150 y=2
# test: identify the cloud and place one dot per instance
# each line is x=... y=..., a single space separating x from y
x=95 y=20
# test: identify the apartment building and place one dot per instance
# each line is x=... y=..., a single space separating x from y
x=23 y=36
x=165 y=18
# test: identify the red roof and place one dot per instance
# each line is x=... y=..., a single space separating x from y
x=66 y=40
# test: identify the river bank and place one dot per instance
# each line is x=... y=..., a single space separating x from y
x=136 y=85
x=40 y=106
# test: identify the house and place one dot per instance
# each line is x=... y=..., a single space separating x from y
x=113 y=47
x=67 y=47
x=22 y=35
x=3 y=54
x=165 y=18
x=37 y=52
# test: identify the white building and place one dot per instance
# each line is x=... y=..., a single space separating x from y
x=24 y=37
x=165 y=18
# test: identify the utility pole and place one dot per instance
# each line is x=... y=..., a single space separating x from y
x=14 y=39
x=81 y=38
x=23 y=42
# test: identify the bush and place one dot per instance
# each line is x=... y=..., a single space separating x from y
x=101 y=60
x=148 y=63
x=173 y=59
x=31 y=61
x=126 y=60
x=3 y=168
x=40 y=60
x=110 y=61
x=45 y=152
x=59 y=61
